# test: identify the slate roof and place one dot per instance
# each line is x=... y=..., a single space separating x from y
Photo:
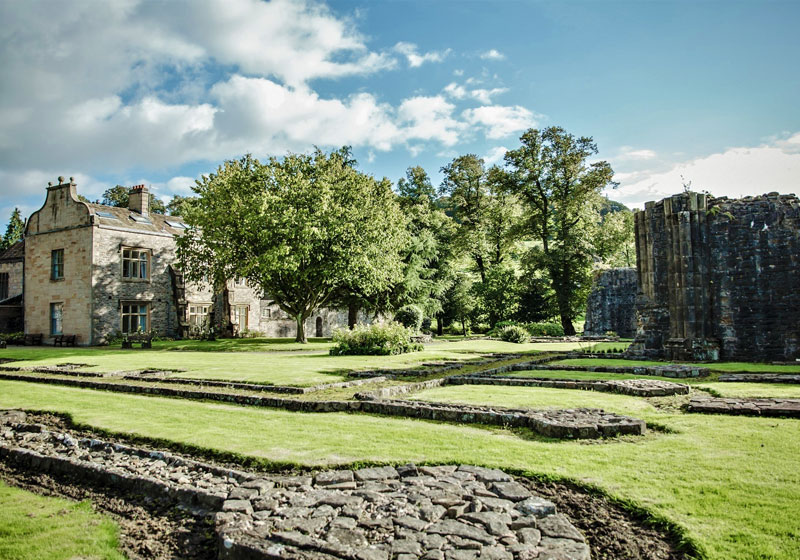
x=123 y=217
x=14 y=253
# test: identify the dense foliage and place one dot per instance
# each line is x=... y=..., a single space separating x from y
x=410 y=316
x=14 y=230
x=514 y=333
x=367 y=340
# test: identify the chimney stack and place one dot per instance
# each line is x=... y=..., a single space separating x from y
x=139 y=200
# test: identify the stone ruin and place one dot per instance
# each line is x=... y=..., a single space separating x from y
x=612 y=303
x=719 y=279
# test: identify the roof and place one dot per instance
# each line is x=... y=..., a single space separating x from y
x=14 y=253
x=123 y=217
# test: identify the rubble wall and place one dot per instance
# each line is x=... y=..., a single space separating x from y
x=612 y=303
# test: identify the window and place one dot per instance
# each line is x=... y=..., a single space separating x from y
x=57 y=264
x=138 y=218
x=135 y=317
x=240 y=282
x=240 y=316
x=136 y=263
x=107 y=215
x=266 y=313
x=56 y=318
x=3 y=285
x=176 y=224
x=198 y=313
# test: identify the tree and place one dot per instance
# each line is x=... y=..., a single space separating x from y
x=14 y=230
x=298 y=229
x=614 y=243
x=118 y=196
x=460 y=300
x=177 y=206
x=484 y=213
x=551 y=175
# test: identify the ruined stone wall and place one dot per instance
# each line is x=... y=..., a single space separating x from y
x=611 y=305
x=718 y=278
x=15 y=270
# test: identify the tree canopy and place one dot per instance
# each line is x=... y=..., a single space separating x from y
x=297 y=228
x=119 y=197
x=15 y=229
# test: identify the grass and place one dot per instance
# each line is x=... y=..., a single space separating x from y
x=35 y=527
x=769 y=390
x=732 y=482
x=277 y=368
x=713 y=366
x=244 y=345
x=583 y=375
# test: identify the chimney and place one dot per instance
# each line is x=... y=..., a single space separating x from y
x=139 y=200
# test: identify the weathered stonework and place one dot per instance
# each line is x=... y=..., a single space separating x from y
x=612 y=303
x=12 y=268
x=718 y=278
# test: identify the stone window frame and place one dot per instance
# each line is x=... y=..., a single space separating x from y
x=235 y=309
x=4 y=285
x=266 y=313
x=57 y=265
x=123 y=315
x=56 y=319
x=148 y=262
x=196 y=318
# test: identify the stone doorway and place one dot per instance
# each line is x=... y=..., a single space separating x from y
x=319 y=327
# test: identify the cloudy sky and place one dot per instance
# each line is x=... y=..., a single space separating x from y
x=128 y=91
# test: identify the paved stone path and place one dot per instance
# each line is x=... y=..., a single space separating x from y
x=746 y=406
x=377 y=513
x=635 y=387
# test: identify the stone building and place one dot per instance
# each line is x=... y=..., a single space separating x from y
x=719 y=278
x=95 y=271
x=12 y=262
x=611 y=306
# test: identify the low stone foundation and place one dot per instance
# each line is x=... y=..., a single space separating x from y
x=761 y=377
x=674 y=371
x=376 y=513
x=634 y=387
x=746 y=406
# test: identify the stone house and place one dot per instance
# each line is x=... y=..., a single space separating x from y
x=95 y=271
x=12 y=263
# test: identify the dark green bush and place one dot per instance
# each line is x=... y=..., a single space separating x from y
x=409 y=316
x=545 y=329
x=13 y=338
x=514 y=333
x=426 y=325
x=367 y=340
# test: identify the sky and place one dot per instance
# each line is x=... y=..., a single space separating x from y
x=674 y=93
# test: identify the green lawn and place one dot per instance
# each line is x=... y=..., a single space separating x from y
x=585 y=375
x=732 y=482
x=713 y=366
x=35 y=527
x=736 y=389
x=278 y=368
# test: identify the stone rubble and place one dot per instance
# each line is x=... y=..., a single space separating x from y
x=443 y=512
x=677 y=371
x=761 y=378
x=746 y=406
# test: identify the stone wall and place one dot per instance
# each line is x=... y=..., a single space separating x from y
x=612 y=303
x=718 y=278
x=15 y=271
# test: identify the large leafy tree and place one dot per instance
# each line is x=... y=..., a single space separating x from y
x=298 y=228
x=118 y=196
x=560 y=188
x=485 y=214
x=14 y=230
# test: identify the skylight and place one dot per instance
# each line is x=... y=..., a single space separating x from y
x=140 y=219
x=104 y=214
x=175 y=224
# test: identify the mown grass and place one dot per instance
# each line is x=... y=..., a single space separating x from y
x=277 y=368
x=768 y=390
x=583 y=375
x=35 y=527
x=713 y=366
x=732 y=482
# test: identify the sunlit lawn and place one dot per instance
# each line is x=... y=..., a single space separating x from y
x=35 y=527
x=732 y=482
x=713 y=366
x=278 y=368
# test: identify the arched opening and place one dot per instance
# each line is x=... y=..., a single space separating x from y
x=319 y=327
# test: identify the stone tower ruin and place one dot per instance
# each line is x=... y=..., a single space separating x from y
x=612 y=303
x=718 y=278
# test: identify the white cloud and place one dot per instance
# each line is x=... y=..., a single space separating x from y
x=500 y=121
x=409 y=50
x=492 y=54
x=455 y=91
x=736 y=172
x=429 y=118
x=485 y=95
x=495 y=155
x=629 y=153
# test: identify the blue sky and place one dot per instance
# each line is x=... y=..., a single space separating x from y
x=160 y=93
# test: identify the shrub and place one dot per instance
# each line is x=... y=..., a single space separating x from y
x=545 y=329
x=383 y=340
x=13 y=338
x=514 y=333
x=409 y=316
x=426 y=325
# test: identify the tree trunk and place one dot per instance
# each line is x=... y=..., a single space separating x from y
x=440 y=324
x=352 y=315
x=566 y=322
x=301 y=329
x=463 y=327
